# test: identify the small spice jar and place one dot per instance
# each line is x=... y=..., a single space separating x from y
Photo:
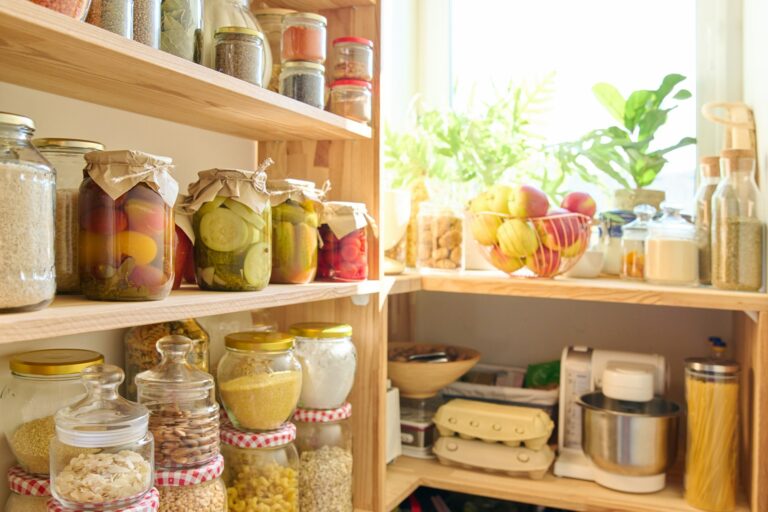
x=259 y=380
x=354 y=58
x=328 y=360
x=708 y=180
x=324 y=442
x=146 y=22
x=633 y=243
x=261 y=470
x=304 y=82
x=671 y=250
x=240 y=53
x=29 y=493
x=271 y=21
x=77 y=9
x=440 y=235
x=43 y=381
x=113 y=15
x=352 y=99
x=344 y=251
x=149 y=503
x=200 y=489
x=303 y=38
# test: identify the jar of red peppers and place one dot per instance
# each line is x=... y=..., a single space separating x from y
x=183 y=253
x=304 y=37
x=344 y=249
x=354 y=58
x=126 y=226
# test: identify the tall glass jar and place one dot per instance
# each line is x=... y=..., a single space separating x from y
x=344 y=235
x=354 y=59
x=324 y=442
x=671 y=250
x=200 y=489
x=271 y=21
x=181 y=31
x=737 y=231
x=708 y=179
x=42 y=382
x=259 y=380
x=27 y=207
x=102 y=455
x=304 y=36
x=68 y=159
x=113 y=15
x=352 y=99
x=146 y=22
x=633 y=243
x=440 y=237
x=240 y=53
x=29 y=493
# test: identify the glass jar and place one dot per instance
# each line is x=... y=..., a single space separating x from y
x=271 y=21
x=260 y=470
x=354 y=58
x=610 y=229
x=102 y=455
x=303 y=38
x=240 y=53
x=113 y=15
x=146 y=22
x=68 y=159
x=183 y=258
x=183 y=413
x=304 y=82
x=324 y=442
x=633 y=243
x=149 y=503
x=42 y=382
x=344 y=251
x=28 y=492
x=77 y=9
x=737 y=231
x=671 y=250
x=259 y=380
x=200 y=489
x=440 y=237
x=712 y=455
x=27 y=196
x=352 y=99
x=181 y=28
x=708 y=180
x=328 y=359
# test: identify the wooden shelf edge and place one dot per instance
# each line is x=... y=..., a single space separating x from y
x=317 y=5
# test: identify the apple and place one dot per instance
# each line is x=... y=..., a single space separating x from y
x=526 y=201
x=573 y=250
x=104 y=221
x=517 y=238
x=544 y=262
x=580 y=202
x=144 y=216
x=560 y=229
x=498 y=198
x=484 y=227
x=503 y=262
x=480 y=203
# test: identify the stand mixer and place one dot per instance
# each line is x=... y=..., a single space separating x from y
x=396 y=209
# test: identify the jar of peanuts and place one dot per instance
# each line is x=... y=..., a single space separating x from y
x=200 y=489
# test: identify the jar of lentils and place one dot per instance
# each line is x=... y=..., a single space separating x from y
x=29 y=493
x=240 y=53
x=199 y=489
x=354 y=58
x=303 y=81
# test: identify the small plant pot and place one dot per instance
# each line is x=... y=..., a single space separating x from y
x=627 y=199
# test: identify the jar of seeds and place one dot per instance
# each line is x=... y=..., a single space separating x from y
x=113 y=15
x=146 y=22
x=304 y=81
x=240 y=53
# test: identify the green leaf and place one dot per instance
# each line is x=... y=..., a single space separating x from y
x=682 y=94
x=651 y=122
x=611 y=99
x=667 y=84
x=637 y=105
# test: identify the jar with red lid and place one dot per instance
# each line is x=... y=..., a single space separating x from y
x=304 y=38
x=354 y=58
x=29 y=493
x=344 y=250
x=352 y=99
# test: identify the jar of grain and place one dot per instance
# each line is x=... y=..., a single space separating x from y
x=260 y=470
x=271 y=21
x=344 y=233
x=29 y=493
x=146 y=22
x=671 y=250
x=304 y=82
x=68 y=159
x=354 y=58
x=240 y=53
x=113 y=15
x=42 y=382
x=27 y=207
x=200 y=489
x=324 y=442
x=303 y=38
x=708 y=180
x=633 y=243
x=440 y=235
x=259 y=380
x=352 y=99
x=737 y=231
x=149 y=503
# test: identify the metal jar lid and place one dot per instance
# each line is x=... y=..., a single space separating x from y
x=16 y=120
x=712 y=366
x=321 y=330
x=259 y=341
x=68 y=144
x=59 y=361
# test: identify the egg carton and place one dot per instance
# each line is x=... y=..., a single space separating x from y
x=494 y=458
x=494 y=423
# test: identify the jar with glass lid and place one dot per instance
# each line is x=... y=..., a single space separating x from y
x=344 y=235
x=102 y=456
x=181 y=28
x=304 y=36
x=324 y=442
x=260 y=469
x=259 y=380
x=27 y=196
x=737 y=231
x=68 y=159
x=42 y=382
x=29 y=493
x=354 y=58
x=198 y=489
x=328 y=360
x=709 y=177
x=240 y=53
x=671 y=250
x=271 y=21
x=352 y=99
x=633 y=243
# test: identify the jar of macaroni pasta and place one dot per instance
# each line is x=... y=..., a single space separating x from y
x=199 y=489
x=29 y=493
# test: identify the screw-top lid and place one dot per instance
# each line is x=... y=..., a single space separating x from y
x=239 y=439
x=300 y=64
x=57 y=361
x=259 y=341
x=51 y=143
x=272 y=11
x=149 y=503
x=321 y=330
x=712 y=366
x=239 y=30
x=174 y=379
x=194 y=476
x=323 y=415
x=350 y=39
x=21 y=482
x=353 y=83
x=16 y=120
x=297 y=16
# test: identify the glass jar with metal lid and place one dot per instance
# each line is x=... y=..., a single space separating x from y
x=354 y=58
x=633 y=243
x=259 y=380
x=328 y=360
x=29 y=493
x=68 y=159
x=304 y=37
x=304 y=82
x=352 y=99
x=43 y=381
x=271 y=21
x=239 y=52
x=200 y=489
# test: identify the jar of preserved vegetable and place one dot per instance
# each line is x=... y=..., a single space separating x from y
x=352 y=99
x=324 y=442
x=440 y=237
x=261 y=470
x=304 y=82
x=200 y=489
x=708 y=180
x=259 y=380
x=671 y=250
x=240 y=53
x=354 y=58
x=181 y=28
x=146 y=22
x=633 y=243
x=184 y=254
x=29 y=493
x=149 y=503
x=42 y=382
x=113 y=15
x=68 y=159
x=344 y=251
x=27 y=195
x=304 y=37
x=102 y=455
x=271 y=21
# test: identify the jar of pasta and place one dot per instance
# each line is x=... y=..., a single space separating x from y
x=29 y=493
x=354 y=58
x=440 y=235
x=303 y=37
x=199 y=489
x=149 y=503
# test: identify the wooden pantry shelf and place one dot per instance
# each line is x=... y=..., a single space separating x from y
x=316 y=5
x=406 y=474
x=45 y=50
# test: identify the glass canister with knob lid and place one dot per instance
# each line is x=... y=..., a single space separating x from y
x=633 y=243
x=671 y=250
x=29 y=493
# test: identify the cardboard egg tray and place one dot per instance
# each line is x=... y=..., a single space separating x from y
x=494 y=458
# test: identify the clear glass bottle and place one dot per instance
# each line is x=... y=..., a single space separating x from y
x=200 y=489
x=271 y=21
x=633 y=243
x=304 y=38
x=708 y=179
x=240 y=53
x=29 y=493
x=440 y=238
x=737 y=231
x=146 y=22
x=27 y=196
x=181 y=28
x=102 y=455
x=304 y=82
x=671 y=250
x=68 y=159
x=344 y=233
x=354 y=58
x=324 y=442
x=352 y=99
x=113 y=15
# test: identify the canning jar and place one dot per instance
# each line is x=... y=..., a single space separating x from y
x=352 y=99
x=354 y=58
x=113 y=15
x=146 y=22
x=183 y=253
x=260 y=470
x=712 y=455
x=259 y=380
x=708 y=179
x=271 y=21
x=737 y=231
x=126 y=226
x=610 y=230
x=324 y=442
x=633 y=243
x=199 y=489
x=29 y=493
x=77 y=9
x=440 y=235
x=671 y=250
x=27 y=207
x=42 y=382
x=344 y=236
x=149 y=503
x=102 y=455
x=304 y=82
x=68 y=159
x=181 y=28
x=240 y=53
x=303 y=37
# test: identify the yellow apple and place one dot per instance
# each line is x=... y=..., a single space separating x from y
x=517 y=238
x=505 y=263
x=484 y=227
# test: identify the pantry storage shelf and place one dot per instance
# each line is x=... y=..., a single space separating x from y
x=45 y=50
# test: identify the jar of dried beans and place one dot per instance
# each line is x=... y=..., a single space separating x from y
x=304 y=37
x=29 y=493
x=200 y=489
x=354 y=58
x=240 y=53
x=344 y=251
x=304 y=82
x=352 y=99
x=440 y=237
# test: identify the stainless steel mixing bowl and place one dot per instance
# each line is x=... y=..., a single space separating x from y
x=629 y=438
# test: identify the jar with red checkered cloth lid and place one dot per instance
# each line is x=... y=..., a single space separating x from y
x=199 y=489
x=260 y=469
x=150 y=502
x=324 y=442
x=28 y=492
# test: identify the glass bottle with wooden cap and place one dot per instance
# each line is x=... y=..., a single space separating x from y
x=708 y=180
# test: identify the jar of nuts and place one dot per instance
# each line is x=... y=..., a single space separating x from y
x=440 y=237
x=28 y=492
x=184 y=415
x=199 y=489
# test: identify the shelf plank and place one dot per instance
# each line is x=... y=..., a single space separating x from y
x=406 y=474
x=316 y=5
x=45 y=50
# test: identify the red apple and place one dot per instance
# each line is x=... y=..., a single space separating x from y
x=181 y=257
x=580 y=202
x=544 y=262
x=559 y=230
x=526 y=201
x=145 y=217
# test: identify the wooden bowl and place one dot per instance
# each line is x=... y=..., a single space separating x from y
x=423 y=380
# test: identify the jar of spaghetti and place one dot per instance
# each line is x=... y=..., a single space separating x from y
x=303 y=37
x=354 y=58
x=352 y=99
